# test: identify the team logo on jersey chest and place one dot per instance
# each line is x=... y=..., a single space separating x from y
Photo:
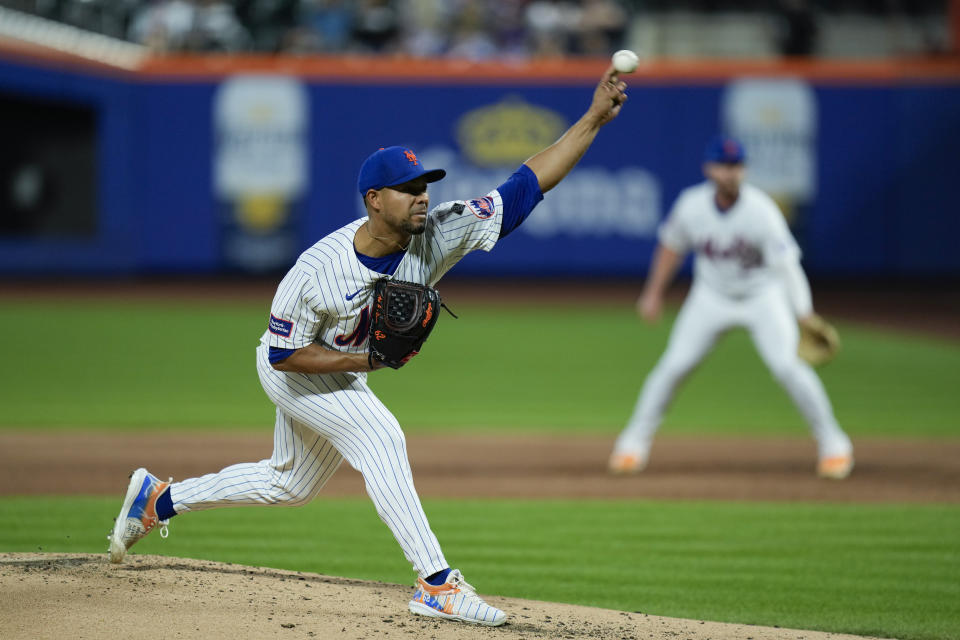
x=280 y=327
x=483 y=208
x=359 y=332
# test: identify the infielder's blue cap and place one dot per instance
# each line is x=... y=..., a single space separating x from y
x=391 y=166
x=725 y=150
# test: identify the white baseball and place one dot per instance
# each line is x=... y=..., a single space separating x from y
x=625 y=61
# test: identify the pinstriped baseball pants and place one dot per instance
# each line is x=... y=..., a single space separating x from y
x=322 y=420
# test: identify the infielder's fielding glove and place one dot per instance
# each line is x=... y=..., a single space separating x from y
x=819 y=341
x=402 y=317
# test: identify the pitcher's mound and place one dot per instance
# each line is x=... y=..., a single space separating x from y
x=84 y=596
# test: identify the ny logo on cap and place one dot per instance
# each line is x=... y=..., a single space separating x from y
x=411 y=156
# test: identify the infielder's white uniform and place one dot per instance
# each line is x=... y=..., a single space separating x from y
x=746 y=274
x=324 y=418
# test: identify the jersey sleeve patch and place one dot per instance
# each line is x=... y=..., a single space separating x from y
x=483 y=208
x=280 y=327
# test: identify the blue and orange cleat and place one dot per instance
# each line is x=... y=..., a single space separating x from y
x=138 y=516
x=454 y=600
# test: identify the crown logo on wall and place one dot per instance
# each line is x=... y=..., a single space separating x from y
x=507 y=132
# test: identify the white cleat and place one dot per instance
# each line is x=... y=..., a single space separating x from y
x=138 y=515
x=454 y=600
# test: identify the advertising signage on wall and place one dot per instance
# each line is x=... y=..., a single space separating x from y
x=213 y=165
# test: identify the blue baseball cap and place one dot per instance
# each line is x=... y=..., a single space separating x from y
x=391 y=166
x=725 y=150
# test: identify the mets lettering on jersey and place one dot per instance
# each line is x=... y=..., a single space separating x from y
x=483 y=208
x=748 y=255
x=280 y=326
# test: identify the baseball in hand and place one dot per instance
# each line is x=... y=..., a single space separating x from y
x=625 y=61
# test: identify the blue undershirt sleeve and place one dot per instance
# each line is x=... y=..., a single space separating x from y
x=278 y=354
x=519 y=194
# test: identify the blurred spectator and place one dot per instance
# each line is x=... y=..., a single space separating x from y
x=508 y=27
x=471 y=35
x=163 y=25
x=552 y=24
x=216 y=28
x=425 y=26
x=376 y=26
x=184 y=25
x=797 y=28
x=268 y=21
x=603 y=24
x=322 y=26
x=503 y=29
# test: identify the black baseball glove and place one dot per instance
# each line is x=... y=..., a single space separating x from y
x=402 y=316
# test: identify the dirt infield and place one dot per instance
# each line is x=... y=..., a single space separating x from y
x=506 y=465
x=83 y=596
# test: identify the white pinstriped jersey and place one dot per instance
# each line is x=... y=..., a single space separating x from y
x=325 y=297
x=738 y=250
x=324 y=419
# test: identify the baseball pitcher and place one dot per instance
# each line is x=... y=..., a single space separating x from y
x=359 y=300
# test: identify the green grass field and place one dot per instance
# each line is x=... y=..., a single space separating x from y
x=888 y=570
x=175 y=365
x=885 y=570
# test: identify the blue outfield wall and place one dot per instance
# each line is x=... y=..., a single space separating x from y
x=880 y=201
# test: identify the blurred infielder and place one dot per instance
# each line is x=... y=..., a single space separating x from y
x=746 y=274
x=314 y=357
